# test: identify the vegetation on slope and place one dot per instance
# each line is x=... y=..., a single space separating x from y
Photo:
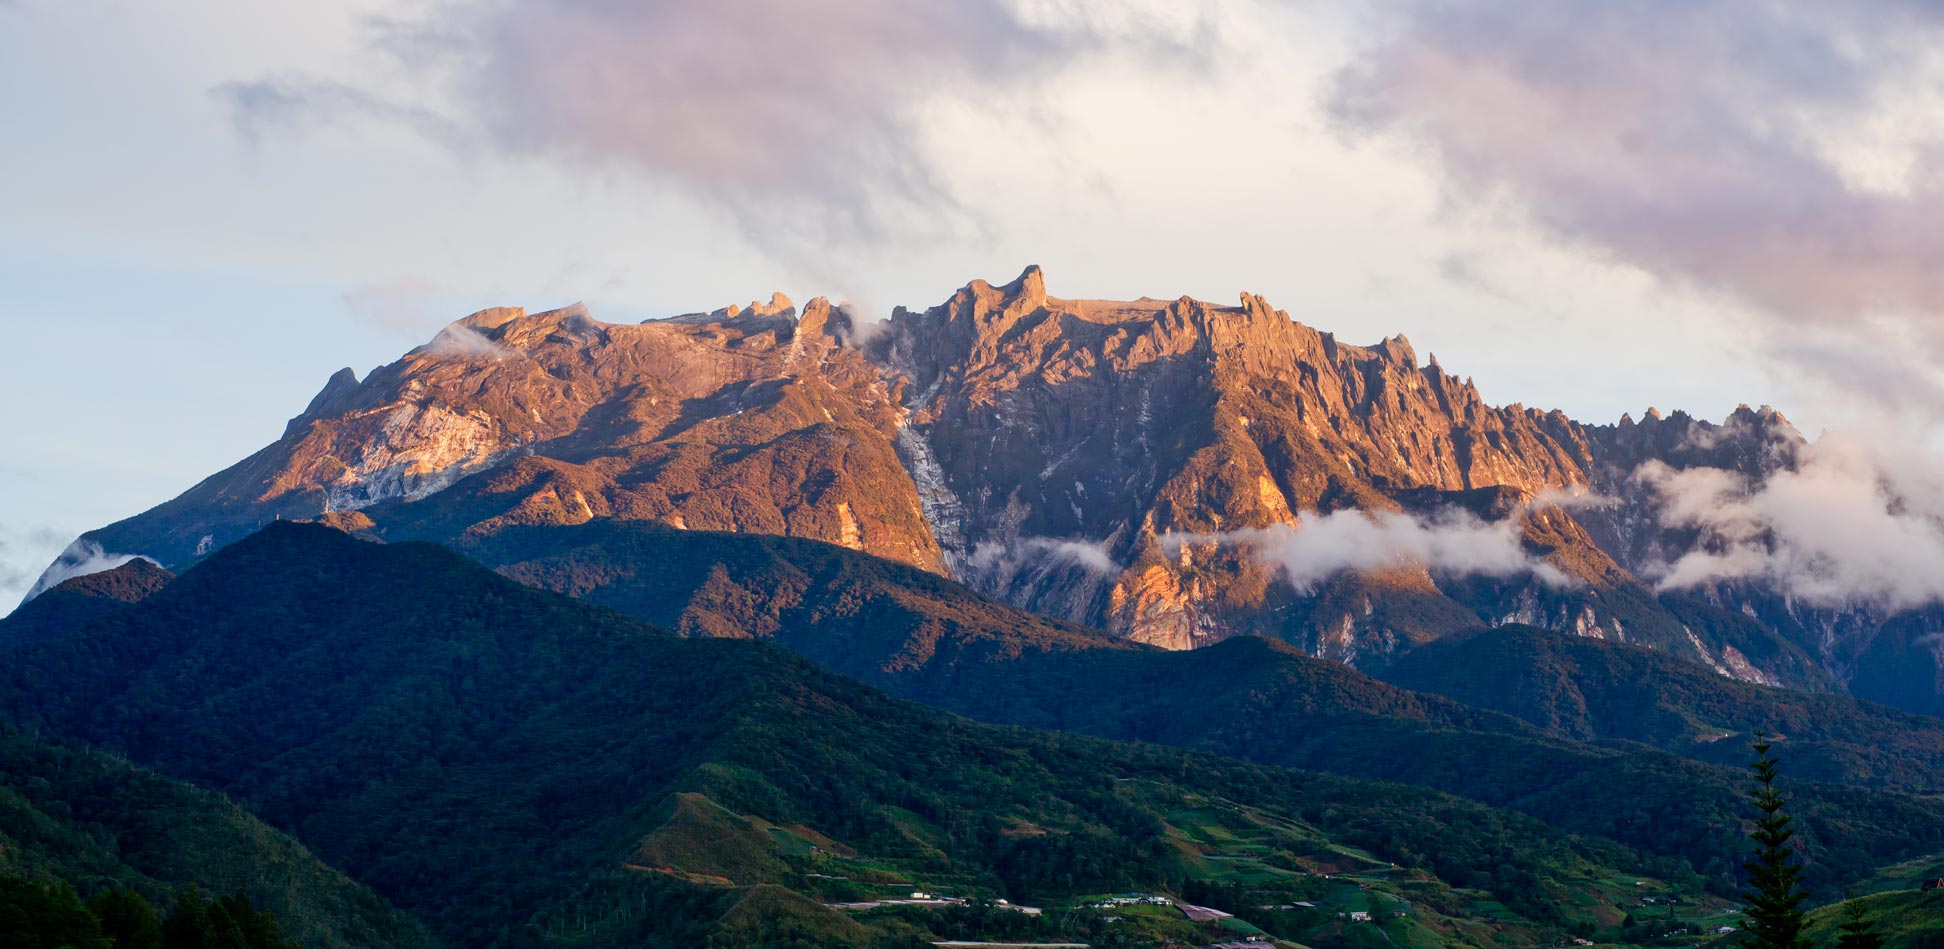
x=78 y=601
x=1906 y=919
x=1591 y=689
x=53 y=916
x=75 y=817
x=929 y=639
x=498 y=759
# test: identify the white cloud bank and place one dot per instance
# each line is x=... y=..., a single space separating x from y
x=1849 y=524
x=1004 y=559
x=1451 y=543
x=80 y=559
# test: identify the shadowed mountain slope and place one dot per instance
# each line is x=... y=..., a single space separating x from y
x=926 y=638
x=1589 y=689
x=80 y=817
x=1164 y=470
x=78 y=601
x=511 y=765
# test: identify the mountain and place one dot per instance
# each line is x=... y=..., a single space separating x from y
x=1173 y=472
x=79 y=817
x=516 y=767
x=926 y=638
x=749 y=419
x=1592 y=690
x=1117 y=423
x=78 y=601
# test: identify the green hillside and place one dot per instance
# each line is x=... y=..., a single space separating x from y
x=1592 y=689
x=1906 y=919
x=78 y=601
x=929 y=639
x=516 y=767
x=78 y=817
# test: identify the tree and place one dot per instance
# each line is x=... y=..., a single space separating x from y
x=128 y=920
x=1775 y=894
x=1856 y=930
x=187 y=925
x=33 y=916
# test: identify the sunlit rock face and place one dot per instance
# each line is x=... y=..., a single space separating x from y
x=1174 y=471
x=749 y=419
x=1043 y=424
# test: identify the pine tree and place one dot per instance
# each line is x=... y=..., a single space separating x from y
x=1775 y=894
x=1856 y=930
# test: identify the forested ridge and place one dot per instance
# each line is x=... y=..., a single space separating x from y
x=488 y=756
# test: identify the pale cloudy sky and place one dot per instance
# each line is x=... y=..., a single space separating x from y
x=206 y=208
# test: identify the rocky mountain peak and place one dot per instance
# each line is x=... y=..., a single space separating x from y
x=1397 y=351
x=337 y=392
x=778 y=305
x=1052 y=452
x=1029 y=286
x=492 y=318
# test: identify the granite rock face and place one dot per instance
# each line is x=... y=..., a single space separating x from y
x=1072 y=437
x=750 y=420
x=1150 y=467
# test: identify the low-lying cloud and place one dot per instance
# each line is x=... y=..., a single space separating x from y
x=1453 y=542
x=1846 y=525
x=460 y=341
x=81 y=558
x=1006 y=558
x=23 y=552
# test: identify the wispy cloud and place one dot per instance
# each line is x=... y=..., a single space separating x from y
x=81 y=558
x=1787 y=154
x=1004 y=559
x=23 y=552
x=460 y=341
x=804 y=121
x=1452 y=542
x=267 y=106
x=402 y=304
x=1847 y=524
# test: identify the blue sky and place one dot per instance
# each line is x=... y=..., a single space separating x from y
x=206 y=208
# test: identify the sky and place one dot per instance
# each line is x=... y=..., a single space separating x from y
x=207 y=208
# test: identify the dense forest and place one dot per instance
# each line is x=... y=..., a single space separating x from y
x=1591 y=689
x=52 y=916
x=923 y=637
x=489 y=756
x=77 y=818
x=514 y=767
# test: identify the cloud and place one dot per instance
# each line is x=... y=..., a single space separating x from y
x=460 y=341
x=1004 y=559
x=1576 y=497
x=1453 y=542
x=1785 y=154
x=259 y=108
x=1847 y=525
x=403 y=304
x=81 y=558
x=805 y=121
x=23 y=552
